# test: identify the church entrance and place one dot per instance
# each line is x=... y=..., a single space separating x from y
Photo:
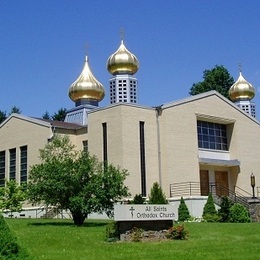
x=221 y=180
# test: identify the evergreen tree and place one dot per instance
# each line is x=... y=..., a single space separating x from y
x=224 y=211
x=138 y=199
x=156 y=195
x=183 y=211
x=60 y=115
x=209 y=210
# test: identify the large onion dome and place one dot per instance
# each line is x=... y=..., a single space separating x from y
x=86 y=87
x=122 y=62
x=241 y=90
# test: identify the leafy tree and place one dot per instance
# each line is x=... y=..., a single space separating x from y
x=224 y=211
x=16 y=110
x=46 y=115
x=183 y=211
x=12 y=196
x=74 y=180
x=156 y=195
x=2 y=116
x=217 y=79
x=60 y=115
x=209 y=210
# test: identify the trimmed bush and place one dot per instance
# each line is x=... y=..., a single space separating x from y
x=224 y=211
x=112 y=233
x=183 y=211
x=177 y=232
x=9 y=247
x=156 y=195
x=239 y=214
x=209 y=210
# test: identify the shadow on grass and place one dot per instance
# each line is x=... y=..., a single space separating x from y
x=59 y=223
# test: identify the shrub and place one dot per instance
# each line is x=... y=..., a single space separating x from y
x=112 y=233
x=177 y=232
x=9 y=247
x=156 y=195
x=183 y=211
x=138 y=199
x=136 y=234
x=209 y=210
x=224 y=211
x=239 y=214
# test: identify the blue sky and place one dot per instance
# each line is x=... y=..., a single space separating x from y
x=42 y=47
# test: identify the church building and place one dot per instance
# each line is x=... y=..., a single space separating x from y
x=203 y=143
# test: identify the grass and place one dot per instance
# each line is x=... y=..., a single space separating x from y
x=60 y=239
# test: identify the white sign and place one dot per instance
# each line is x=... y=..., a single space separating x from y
x=144 y=212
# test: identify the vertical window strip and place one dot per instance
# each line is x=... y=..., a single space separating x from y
x=12 y=165
x=142 y=159
x=2 y=168
x=104 y=126
x=23 y=163
x=85 y=146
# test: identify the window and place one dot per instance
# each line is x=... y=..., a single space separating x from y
x=23 y=164
x=12 y=167
x=85 y=146
x=2 y=168
x=212 y=135
x=142 y=159
x=104 y=127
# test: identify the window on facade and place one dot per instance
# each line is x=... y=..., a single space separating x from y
x=2 y=168
x=23 y=164
x=142 y=158
x=104 y=128
x=12 y=165
x=85 y=146
x=212 y=135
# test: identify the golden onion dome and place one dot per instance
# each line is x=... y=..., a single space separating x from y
x=86 y=86
x=122 y=62
x=241 y=90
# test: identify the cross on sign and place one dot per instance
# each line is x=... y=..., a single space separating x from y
x=132 y=211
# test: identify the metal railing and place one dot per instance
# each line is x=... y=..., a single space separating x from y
x=183 y=189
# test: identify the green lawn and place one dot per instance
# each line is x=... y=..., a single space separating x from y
x=60 y=239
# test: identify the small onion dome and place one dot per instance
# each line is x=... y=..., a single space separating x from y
x=86 y=86
x=122 y=62
x=241 y=90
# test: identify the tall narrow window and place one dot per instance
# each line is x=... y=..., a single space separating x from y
x=23 y=164
x=104 y=126
x=142 y=159
x=12 y=166
x=2 y=168
x=85 y=146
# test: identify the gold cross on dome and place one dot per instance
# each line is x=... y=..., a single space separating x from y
x=240 y=67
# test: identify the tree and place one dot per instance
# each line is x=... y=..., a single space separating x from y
x=209 y=210
x=16 y=110
x=224 y=211
x=74 y=180
x=2 y=116
x=217 y=79
x=60 y=115
x=12 y=196
x=46 y=115
x=183 y=211
x=156 y=195
x=138 y=199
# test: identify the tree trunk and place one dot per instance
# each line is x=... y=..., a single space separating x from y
x=78 y=217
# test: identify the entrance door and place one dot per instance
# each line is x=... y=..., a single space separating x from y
x=221 y=179
x=204 y=182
